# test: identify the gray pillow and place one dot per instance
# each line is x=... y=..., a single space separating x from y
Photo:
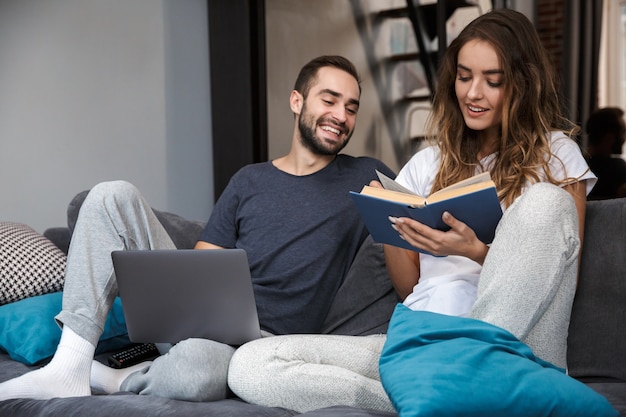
x=366 y=299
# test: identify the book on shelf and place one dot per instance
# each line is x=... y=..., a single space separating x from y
x=473 y=201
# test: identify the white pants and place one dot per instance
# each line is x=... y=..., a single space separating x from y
x=526 y=286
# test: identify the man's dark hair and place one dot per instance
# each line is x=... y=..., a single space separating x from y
x=604 y=121
x=308 y=73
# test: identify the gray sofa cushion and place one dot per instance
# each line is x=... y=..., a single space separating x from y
x=60 y=236
x=345 y=411
x=597 y=333
x=184 y=233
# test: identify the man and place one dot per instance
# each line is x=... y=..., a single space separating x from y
x=292 y=215
x=607 y=131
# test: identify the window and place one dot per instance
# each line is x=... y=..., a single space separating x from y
x=612 y=88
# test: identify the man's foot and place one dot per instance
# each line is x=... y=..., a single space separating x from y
x=67 y=374
x=43 y=384
x=109 y=380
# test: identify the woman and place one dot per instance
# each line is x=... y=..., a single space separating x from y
x=496 y=109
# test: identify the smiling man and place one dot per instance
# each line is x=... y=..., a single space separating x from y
x=292 y=215
x=325 y=106
x=338 y=125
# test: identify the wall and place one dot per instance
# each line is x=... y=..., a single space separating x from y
x=298 y=30
x=99 y=90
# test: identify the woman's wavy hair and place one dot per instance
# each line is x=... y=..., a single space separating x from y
x=531 y=107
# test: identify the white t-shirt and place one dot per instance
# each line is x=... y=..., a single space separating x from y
x=447 y=285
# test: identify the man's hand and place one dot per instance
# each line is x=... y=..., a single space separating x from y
x=206 y=245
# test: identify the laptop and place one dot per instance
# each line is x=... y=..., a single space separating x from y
x=171 y=295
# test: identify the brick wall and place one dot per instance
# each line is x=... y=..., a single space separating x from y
x=549 y=21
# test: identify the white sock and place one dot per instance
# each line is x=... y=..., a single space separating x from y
x=109 y=380
x=67 y=374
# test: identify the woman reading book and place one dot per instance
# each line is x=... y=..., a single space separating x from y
x=496 y=108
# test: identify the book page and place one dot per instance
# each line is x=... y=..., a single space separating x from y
x=391 y=195
x=392 y=185
x=396 y=192
x=482 y=177
x=447 y=193
x=477 y=182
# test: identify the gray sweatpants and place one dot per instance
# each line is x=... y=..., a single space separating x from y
x=526 y=286
x=115 y=216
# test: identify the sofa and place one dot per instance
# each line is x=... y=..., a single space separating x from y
x=364 y=305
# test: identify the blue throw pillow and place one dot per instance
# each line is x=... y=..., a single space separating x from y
x=435 y=365
x=29 y=333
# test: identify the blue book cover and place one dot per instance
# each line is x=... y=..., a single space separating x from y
x=480 y=209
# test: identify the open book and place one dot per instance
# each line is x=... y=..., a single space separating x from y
x=473 y=201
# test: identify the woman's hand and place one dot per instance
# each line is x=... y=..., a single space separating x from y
x=459 y=240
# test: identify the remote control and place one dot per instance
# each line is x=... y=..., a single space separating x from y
x=133 y=355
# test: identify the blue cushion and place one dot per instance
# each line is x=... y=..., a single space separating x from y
x=29 y=333
x=434 y=365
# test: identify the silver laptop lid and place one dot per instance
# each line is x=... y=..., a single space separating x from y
x=172 y=295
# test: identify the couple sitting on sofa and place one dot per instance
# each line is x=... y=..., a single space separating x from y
x=492 y=111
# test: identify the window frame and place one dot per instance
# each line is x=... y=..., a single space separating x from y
x=612 y=69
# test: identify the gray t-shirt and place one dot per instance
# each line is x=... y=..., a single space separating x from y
x=301 y=234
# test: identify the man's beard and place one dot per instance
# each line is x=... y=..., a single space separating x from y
x=307 y=125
